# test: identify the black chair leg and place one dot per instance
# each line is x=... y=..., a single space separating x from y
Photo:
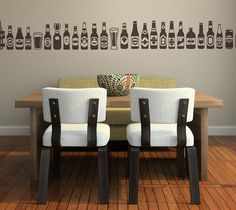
x=43 y=175
x=103 y=175
x=186 y=163
x=193 y=175
x=109 y=160
x=128 y=160
x=56 y=162
x=181 y=169
x=133 y=174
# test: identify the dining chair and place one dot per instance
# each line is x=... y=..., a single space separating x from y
x=160 y=119
x=75 y=117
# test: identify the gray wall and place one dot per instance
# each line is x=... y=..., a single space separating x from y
x=210 y=71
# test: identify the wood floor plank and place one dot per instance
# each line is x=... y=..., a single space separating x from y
x=74 y=199
x=150 y=196
x=160 y=197
x=168 y=195
x=78 y=184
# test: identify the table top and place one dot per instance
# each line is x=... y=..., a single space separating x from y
x=202 y=100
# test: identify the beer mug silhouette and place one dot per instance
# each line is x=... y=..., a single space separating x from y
x=57 y=37
x=38 y=38
x=114 y=35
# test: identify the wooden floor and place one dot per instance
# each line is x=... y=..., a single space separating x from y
x=77 y=188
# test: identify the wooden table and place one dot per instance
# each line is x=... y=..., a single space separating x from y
x=199 y=125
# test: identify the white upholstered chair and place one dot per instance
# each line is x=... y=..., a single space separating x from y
x=160 y=117
x=75 y=116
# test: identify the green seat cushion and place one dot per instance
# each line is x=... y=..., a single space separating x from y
x=77 y=82
x=84 y=82
x=156 y=82
x=118 y=116
x=118 y=132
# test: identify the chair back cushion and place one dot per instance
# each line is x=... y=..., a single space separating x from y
x=74 y=103
x=163 y=103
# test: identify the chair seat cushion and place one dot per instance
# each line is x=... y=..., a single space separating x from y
x=162 y=135
x=75 y=135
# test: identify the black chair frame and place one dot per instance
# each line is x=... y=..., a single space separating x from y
x=55 y=150
x=191 y=155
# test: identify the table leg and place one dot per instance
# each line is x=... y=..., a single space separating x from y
x=36 y=126
x=199 y=126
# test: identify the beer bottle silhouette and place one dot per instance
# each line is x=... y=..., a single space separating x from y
x=144 y=37
x=94 y=38
x=104 y=38
x=66 y=38
x=124 y=38
x=190 y=39
x=171 y=36
x=57 y=37
x=84 y=38
x=47 y=38
x=28 y=39
x=10 y=38
x=135 y=36
x=219 y=38
x=75 y=39
x=2 y=37
x=210 y=36
x=19 y=40
x=153 y=36
x=229 y=39
x=201 y=37
x=163 y=36
x=180 y=36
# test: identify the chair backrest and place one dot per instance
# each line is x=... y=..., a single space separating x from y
x=74 y=103
x=163 y=103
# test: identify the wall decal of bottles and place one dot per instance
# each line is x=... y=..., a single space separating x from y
x=94 y=38
x=2 y=37
x=47 y=38
x=169 y=35
x=104 y=38
x=57 y=37
x=124 y=37
x=84 y=37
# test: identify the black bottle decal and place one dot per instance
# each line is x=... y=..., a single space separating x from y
x=2 y=37
x=144 y=37
x=104 y=38
x=84 y=38
x=229 y=43
x=75 y=39
x=57 y=37
x=171 y=36
x=47 y=38
x=219 y=37
x=10 y=38
x=180 y=36
x=114 y=38
x=28 y=39
x=153 y=36
x=124 y=38
x=190 y=39
x=201 y=37
x=19 y=40
x=163 y=36
x=66 y=38
x=94 y=38
x=135 y=36
x=210 y=36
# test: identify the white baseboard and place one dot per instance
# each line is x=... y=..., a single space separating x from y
x=25 y=130
x=14 y=130
x=222 y=130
